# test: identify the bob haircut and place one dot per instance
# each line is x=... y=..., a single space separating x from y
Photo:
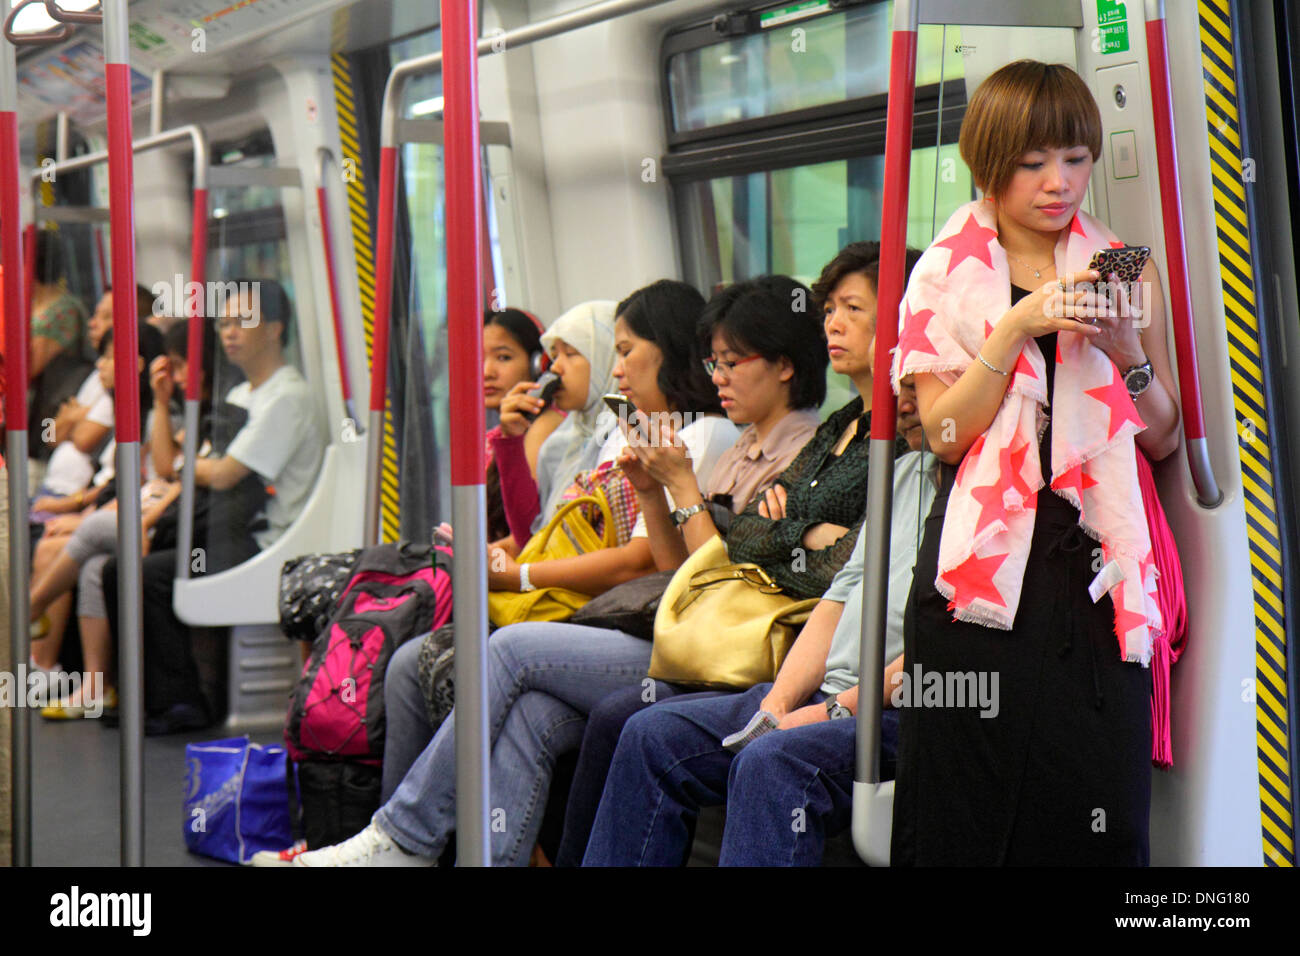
x=667 y=313
x=149 y=342
x=1024 y=106
x=861 y=258
x=772 y=316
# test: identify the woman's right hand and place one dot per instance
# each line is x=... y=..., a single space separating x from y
x=160 y=379
x=514 y=404
x=1053 y=309
x=636 y=474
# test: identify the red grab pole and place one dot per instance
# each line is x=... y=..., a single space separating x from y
x=198 y=273
x=16 y=318
x=465 y=362
x=126 y=410
x=872 y=799
x=327 y=242
x=1180 y=296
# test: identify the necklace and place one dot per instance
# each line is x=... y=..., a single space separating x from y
x=1038 y=273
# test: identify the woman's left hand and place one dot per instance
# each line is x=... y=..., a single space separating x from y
x=1120 y=324
x=503 y=571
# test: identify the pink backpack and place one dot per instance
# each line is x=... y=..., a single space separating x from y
x=336 y=711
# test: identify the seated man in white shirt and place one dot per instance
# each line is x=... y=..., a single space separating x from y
x=280 y=445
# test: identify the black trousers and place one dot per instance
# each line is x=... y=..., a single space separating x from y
x=170 y=674
x=1062 y=774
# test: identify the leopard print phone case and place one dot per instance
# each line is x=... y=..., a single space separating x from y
x=1127 y=262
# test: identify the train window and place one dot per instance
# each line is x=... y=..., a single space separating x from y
x=789 y=65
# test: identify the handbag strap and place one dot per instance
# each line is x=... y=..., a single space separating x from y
x=750 y=574
x=563 y=513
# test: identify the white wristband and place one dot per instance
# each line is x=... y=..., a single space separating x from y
x=524 y=583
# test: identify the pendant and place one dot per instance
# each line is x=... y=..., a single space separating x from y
x=1037 y=274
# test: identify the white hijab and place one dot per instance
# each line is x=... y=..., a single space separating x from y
x=575 y=445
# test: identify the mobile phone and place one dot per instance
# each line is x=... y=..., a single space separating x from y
x=1127 y=262
x=546 y=387
x=620 y=406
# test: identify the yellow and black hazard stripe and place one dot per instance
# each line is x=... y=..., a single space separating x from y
x=1250 y=404
x=364 y=253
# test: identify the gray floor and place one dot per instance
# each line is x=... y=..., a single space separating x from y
x=75 y=815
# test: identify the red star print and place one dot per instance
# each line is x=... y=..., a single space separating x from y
x=1012 y=463
x=1023 y=367
x=914 y=338
x=1076 y=226
x=1115 y=396
x=973 y=578
x=991 y=507
x=1125 y=620
x=1074 y=478
x=971 y=243
x=971 y=455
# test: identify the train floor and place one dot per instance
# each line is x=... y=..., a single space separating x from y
x=75 y=796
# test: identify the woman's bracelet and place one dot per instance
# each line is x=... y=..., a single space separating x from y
x=989 y=365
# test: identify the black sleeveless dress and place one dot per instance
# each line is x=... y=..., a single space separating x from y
x=1061 y=776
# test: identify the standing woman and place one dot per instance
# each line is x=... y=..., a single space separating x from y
x=1033 y=389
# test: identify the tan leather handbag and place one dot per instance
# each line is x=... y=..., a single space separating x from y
x=722 y=625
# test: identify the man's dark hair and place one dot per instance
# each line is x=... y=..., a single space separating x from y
x=667 y=313
x=274 y=302
x=775 y=317
x=144 y=299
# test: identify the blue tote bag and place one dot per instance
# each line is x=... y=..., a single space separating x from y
x=236 y=799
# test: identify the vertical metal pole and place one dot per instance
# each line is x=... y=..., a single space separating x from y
x=194 y=360
x=871 y=825
x=15 y=398
x=1180 y=297
x=126 y=411
x=465 y=339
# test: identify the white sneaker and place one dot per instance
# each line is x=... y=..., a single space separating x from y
x=370 y=847
x=279 y=857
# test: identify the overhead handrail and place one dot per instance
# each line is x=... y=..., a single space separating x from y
x=73 y=16
x=324 y=156
x=15 y=399
x=1208 y=492
x=388 y=141
x=55 y=34
x=872 y=799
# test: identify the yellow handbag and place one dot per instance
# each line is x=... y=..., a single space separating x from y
x=722 y=625
x=575 y=536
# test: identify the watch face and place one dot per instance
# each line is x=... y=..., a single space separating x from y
x=1137 y=380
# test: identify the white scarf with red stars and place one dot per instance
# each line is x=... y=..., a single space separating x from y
x=958 y=291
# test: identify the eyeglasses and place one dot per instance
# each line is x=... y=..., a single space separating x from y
x=711 y=365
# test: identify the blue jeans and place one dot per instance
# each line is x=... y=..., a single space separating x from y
x=604 y=725
x=407 y=730
x=785 y=793
x=542 y=680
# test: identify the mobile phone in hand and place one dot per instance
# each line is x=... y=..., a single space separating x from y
x=1127 y=262
x=546 y=387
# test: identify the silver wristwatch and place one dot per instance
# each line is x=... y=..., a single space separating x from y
x=835 y=710
x=683 y=515
x=1138 y=379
